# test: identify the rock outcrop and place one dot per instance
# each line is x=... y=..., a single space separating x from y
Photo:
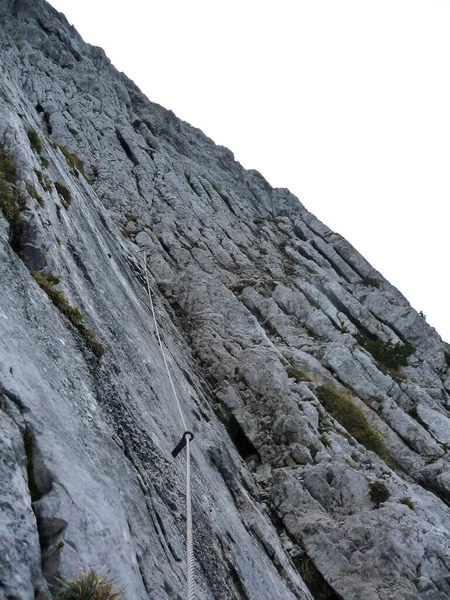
x=318 y=397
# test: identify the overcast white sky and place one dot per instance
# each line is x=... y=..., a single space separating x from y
x=346 y=103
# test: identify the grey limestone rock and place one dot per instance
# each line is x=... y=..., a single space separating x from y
x=258 y=304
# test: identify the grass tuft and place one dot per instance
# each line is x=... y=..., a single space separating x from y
x=89 y=585
x=378 y=492
x=65 y=194
x=43 y=180
x=297 y=374
x=352 y=418
x=407 y=502
x=33 y=193
x=73 y=160
x=314 y=580
x=35 y=141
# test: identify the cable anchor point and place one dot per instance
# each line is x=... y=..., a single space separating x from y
x=182 y=443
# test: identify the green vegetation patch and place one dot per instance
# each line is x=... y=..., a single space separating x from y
x=314 y=580
x=407 y=502
x=242 y=284
x=297 y=374
x=65 y=193
x=73 y=160
x=35 y=492
x=43 y=180
x=371 y=282
x=325 y=441
x=313 y=450
x=352 y=419
x=127 y=233
x=378 y=492
x=12 y=203
x=48 y=283
x=33 y=193
x=396 y=375
x=389 y=354
x=89 y=585
x=35 y=141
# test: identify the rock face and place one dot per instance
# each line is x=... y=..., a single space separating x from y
x=318 y=397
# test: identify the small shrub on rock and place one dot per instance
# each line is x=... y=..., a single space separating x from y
x=34 y=140
x=378 y=492
x=296 y=374
x=12 y=203
x=314 y=580
x=33 y=193
x=65 y=193
x=371 y=282
x=389 y=354
x=407 y=502
x=89 y=585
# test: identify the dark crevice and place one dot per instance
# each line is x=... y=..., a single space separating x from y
x=79 y=262
x=237 y=582
x=50 y=530
x=431 y=485
x=206 y=190
x=138 y=186
x=35 y=492
x=299 y=233
x=167 y=250
x=150 y=151
x=227 y=201
x=147 y=585
x=343 y=309
x=330 y=261
x=14 y=399
x=243 y=444
x=126 y=148
x=346 y=261
x=314 y=579
x=304 y=252
x=188 y=178
x=391 y=326
x=44 y=28
x=46 y=118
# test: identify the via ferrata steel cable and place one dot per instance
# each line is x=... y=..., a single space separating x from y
x=190 y=592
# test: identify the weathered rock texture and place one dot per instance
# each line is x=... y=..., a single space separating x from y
x=258 y=304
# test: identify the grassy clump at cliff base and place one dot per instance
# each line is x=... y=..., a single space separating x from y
x=89 y=585
x=352 y=419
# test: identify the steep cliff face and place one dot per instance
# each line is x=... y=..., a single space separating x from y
x=318 y=397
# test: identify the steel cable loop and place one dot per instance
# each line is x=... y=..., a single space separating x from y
x=190 y=561
x=189 y=539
